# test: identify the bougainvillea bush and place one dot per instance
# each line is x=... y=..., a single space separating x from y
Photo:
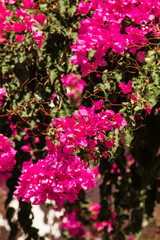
x=79 y=108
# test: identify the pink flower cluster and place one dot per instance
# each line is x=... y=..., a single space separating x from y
x=60 y=176
x=7 y=154
x=117 y=25
x=130 y=161
x=2 y=92
x=87 y=129
x=115 y=169
x=74 y=84
x=141 y=56
x=70 y=222
x=95 y=210
x=75 y=228
x=127 y=88
x=21 y=20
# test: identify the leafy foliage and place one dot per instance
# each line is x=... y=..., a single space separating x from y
x=114 y=123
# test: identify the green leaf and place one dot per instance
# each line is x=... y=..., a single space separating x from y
x=128 y=137
x=118 y=75
x=72 y=10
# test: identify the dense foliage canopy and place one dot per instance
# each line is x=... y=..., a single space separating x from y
x=79 y=108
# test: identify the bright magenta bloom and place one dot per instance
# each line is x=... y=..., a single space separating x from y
x=74 y=85
x=20 y=38
x=62 y=174
x=141 y=56
x=72 y=224
x=27 y=4
x=7 y=154
x=22 y=22
x=2 y=92
x=41 y=18
x=11 y=1
x=58 y=177
x=19 y=27
x=126 y=88
x=102 y=31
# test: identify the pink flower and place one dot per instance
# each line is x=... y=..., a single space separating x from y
x=70 y=223
x=41 y=18
x=83 y=7
x=26 y=137
x=11 y=1
x=58 y=177
x=2 y=39
x=20 y=12
x=118 y=121
x=136 y=38
x=92 y=143
x=13 y=128
x=76 y=229
x=130 y=159
x=114 y=167
x=141 y=56
x=20 y=38
x=94 y=209
x=18 y=27
x=7 y=154
x=39 y=38
x=27 y=4
x=26 y=148
x=110 y=143
x=37 y=140
x=148 y=108
x=98 y=105
x=8 y=26
x=2 y=92
x=62 y=174
x=96 y=35
x=126 y=88
x=105 y=154
x=100 y=226
x=74 y=85
x=134 y=97
x=86 y=127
